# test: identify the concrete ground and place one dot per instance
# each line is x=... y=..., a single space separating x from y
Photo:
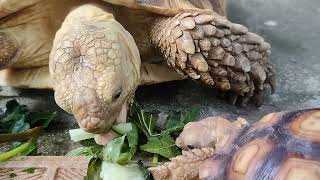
x=293 y=29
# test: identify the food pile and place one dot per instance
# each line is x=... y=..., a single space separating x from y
x=139 y=144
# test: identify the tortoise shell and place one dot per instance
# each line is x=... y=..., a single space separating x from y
x=283 y=145
x=173 y=7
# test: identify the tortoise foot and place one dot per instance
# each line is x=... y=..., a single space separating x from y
x=216 y=52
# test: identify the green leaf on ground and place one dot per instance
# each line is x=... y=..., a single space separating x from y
x=146 y=122
x=31 y=148
x=17 y=118
x=164 y=146
x=176 y=123
x=41 y=118
x=191 y=115
x=20 y=125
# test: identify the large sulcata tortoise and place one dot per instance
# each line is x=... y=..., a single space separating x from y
x=281 y=146
x=101 y=51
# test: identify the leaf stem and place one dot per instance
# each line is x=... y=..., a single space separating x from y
x=16 y=150
x=21 y=136
x=155 y=159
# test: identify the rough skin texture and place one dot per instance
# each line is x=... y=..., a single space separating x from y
x=283 y=145
x=8 y=49
x=209 y=132
x=198 y=142
x=95 y=65
x=221 y=54
x=185 y=166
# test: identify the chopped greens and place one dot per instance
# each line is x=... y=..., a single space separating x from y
x=94 y=169
x=160 y=142
x=77 y=135
x=23 y=148
x=140 y=134
x=164 y=146
x=18 y=124
x=111 y=171
x=90 y=152
x=122 y=128
x=112 y=151
x=17 y=118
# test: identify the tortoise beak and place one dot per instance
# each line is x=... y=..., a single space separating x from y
x=105 y=138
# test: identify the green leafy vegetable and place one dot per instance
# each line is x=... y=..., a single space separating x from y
x=112 y=151
x=116 y=151
x=111 y=171
x=18 y=119
x=31 y=148
x=165 y=146
x=18 y=124
x=175 y=123
x=160 y=141
x=77 y=135
x=14 y=112
x=41 y=118
x=90 y=152
x=121 y=150
x=144 y=121
x=122 y=128
x=23 y=147
x=133 y=136
x=94 y=169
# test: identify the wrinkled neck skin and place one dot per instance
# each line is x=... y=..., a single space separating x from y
x=95 y=65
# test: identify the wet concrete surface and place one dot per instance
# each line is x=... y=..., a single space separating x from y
x=291 y=26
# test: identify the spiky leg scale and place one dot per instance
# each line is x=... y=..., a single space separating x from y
x=211 y=49
x=185 y=166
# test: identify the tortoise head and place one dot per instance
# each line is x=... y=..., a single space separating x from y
x=211 y=132
x=95 y=65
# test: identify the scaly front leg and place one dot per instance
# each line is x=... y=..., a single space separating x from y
x=221 y=54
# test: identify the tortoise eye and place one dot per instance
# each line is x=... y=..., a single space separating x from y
x=117 y=95
x=190 y=147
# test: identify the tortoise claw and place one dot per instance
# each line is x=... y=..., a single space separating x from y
x=216 y=52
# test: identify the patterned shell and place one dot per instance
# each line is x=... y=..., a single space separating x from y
x=282 y=145
x=172 y=7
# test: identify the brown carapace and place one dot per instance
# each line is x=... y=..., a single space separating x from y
x=282 y=146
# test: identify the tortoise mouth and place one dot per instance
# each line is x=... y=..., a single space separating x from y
x=94 y=125
x=98 y=125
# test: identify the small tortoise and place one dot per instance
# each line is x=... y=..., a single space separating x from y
x=282 y=146
x=100 y=51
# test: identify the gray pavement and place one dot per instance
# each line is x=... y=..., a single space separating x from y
x=293 y=29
